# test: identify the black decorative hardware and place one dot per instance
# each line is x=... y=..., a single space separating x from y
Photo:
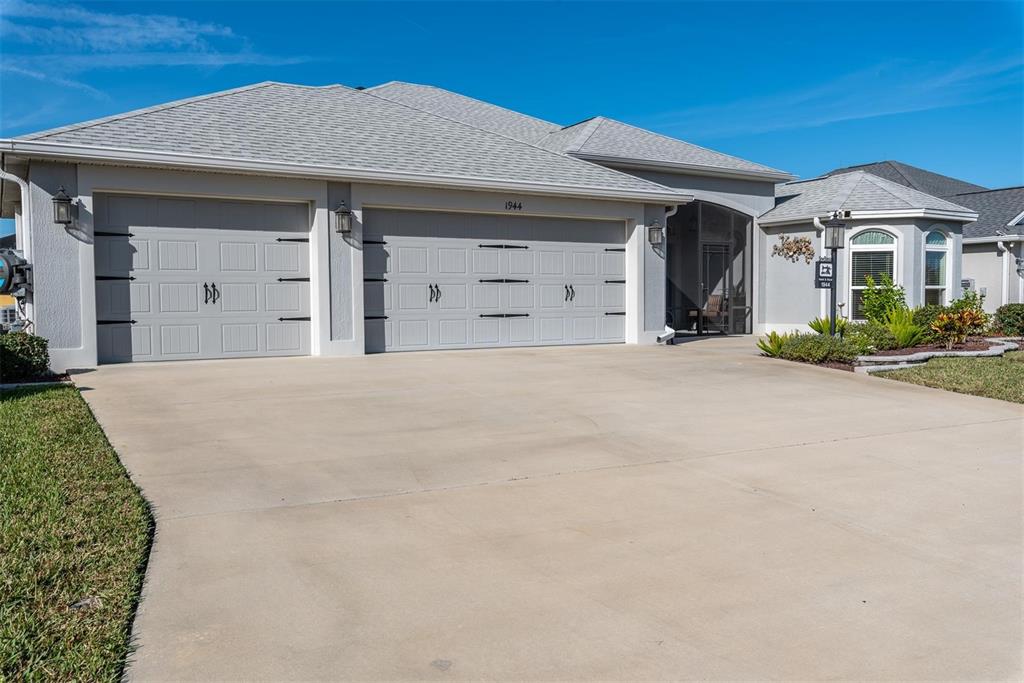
x=114 y=277
x=431 y=299
x=437 y=292
x=216 y=292
x=617 y=313
x=293 y=279
x=300 y=318
x=375 y=279
x=206 y=288
x=115 y=322
x=503 y=279
x=615 y=282
x=99 y=233
x=503 y=246
x=375 y=317
x=566 y=293
x=615 y=249
x=380 y=242
x=504 y=315
x=572 y=293
x=292 y=239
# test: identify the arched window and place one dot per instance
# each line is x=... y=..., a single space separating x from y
x=872 y=254
x=936 y=250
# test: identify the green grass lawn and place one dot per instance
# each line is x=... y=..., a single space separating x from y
x=1001 y=377
x=75 y=535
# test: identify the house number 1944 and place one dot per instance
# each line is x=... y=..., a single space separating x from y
x=513 y=206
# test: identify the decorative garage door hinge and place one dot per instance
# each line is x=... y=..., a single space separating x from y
x=113 y=234
x=114 y=277
x=615 y=249
x=504 y=315
x=382 y=242
x=115 y=322
x=502 y=246
x=615 y=282
x=292 y=239
x=616 y=313
x=375 y=317
x=293 y=279
x=375 y=279
x=283 y=319
x=503 y=279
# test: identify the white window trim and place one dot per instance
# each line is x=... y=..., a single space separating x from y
x=851 y=248
x=947 y=250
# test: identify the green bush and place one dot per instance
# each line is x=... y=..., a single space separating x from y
x=819 y=348
x=906 y=333
x=871 y=337
x=878 y=299
x=772 y=344
x=955 y=327
x=824 y=324
x=1009 y=320
x=23 y=357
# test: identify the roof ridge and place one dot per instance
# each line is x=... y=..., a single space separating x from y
x=993 y=189
x=458 y=94
x=152 y=109
x=896 y=167
x=589 y=127
x=367 y=93
x=871 y=177
x=852 y=187
x=692 y=144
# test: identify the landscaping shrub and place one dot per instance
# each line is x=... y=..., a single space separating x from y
x=870 y=337
x=925 y=316
x=823 y=325
x=955 y=326
x=819 y=348
x=772 y=344
x=905 y=332
x=1009 y=320
x=23 y=356
x=878 y=299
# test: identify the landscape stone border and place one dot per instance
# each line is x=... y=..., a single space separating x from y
x=868 y=364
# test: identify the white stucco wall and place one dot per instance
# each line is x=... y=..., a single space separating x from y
x=788 y=297
x=995 y=272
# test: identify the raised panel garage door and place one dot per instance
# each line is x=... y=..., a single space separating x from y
x=182 y=278
x=439 y=280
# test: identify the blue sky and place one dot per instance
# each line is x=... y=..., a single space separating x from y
x=805 y=87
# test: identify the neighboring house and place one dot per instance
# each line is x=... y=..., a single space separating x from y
x=216 y=227
x=7 y=301
x=993 y=245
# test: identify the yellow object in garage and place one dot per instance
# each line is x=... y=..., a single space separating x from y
x=6 y=300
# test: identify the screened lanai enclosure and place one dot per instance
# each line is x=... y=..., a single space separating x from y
x=708 y=261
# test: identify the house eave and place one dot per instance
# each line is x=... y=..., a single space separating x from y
x=934 y=214
x=993 y=239
x=692 y=169
x=87 y=153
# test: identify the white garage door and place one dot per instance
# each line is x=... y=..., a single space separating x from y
x=180 y=278
x=436 y=281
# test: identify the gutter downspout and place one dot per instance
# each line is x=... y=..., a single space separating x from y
x=1004 y=294
x=669 y=333
x=26 y=213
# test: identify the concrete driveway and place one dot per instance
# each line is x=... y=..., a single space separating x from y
x=568 y=513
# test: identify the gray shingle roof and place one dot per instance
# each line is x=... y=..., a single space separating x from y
x=996 y=208
x=466 y=109
x=935 y=184
x=339 y=128
x=607 y=138
x=853 y=191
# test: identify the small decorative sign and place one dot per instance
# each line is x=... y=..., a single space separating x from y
x=824 y=275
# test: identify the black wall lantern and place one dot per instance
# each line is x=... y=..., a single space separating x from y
x=655 y=233
x=343 y=219
x=62 y=208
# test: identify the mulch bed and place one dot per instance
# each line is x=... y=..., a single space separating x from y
x=974 y=344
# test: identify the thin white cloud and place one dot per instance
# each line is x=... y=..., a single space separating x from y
x=55 y=80
x=882 y=90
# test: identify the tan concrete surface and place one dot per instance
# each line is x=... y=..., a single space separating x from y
x=605 y=512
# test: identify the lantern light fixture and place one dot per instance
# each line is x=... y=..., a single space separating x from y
x=655 y=233
x=343 y=219
x=62 y=208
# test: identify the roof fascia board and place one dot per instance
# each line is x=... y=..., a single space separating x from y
x=84 y=153
x=994 y=239
x=694 y=169
x=959 y=216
